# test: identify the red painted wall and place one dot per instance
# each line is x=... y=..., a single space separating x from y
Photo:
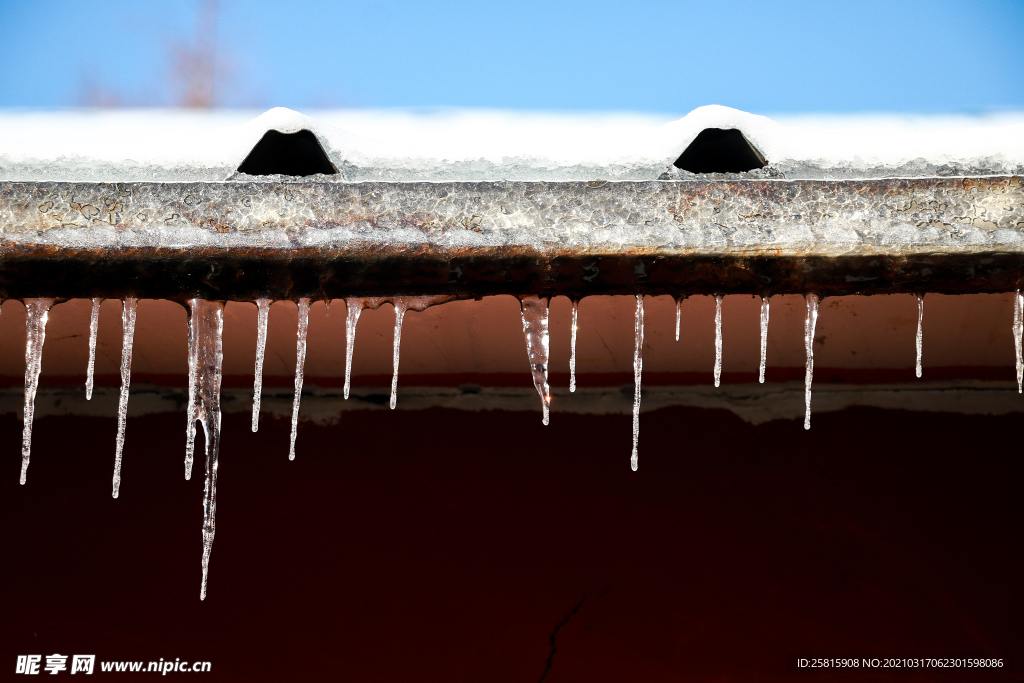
x=447 y=546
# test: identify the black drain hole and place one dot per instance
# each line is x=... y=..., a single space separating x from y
x=720 y=150
x=277 y=153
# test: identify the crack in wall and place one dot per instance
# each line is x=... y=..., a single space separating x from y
x=554 y=634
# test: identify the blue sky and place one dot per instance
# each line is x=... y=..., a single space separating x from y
x=769 y=56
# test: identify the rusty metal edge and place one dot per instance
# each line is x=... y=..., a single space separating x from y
x=284 y=240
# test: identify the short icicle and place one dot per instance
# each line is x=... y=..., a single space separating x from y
x=300 y=362
x=638 y=366
x=764 y=337
x=1018 y=334
x=94 y=326
x=400 y=310
x=35 y=327
x=206 y=324
x=535 y=327
x=809 y=324
x=572 y=347
x=920 y=331
x=355 y=307
x=129 y=306
x=262 y=315
x=718 y=339
x=402 y=305
x=679 y=314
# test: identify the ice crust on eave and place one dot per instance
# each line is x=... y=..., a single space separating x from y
x=463 y=145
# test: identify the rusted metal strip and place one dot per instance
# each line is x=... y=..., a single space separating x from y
x=239 y=240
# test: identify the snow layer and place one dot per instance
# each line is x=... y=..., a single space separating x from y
x=175 y=145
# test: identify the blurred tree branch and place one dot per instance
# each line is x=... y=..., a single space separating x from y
x=194 y=67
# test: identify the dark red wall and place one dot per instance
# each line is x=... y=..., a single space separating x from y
x=447 y=546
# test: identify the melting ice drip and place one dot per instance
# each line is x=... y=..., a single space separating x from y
x=572 y=347
x=535 y=328
x=920 y=331
x=94 y=326
x=129 y=306
x=809 y=324
x=764 y=337
x=300 y=362
x=1018 y=333
x=638 y=366
x=206 y=357
x=718 y=339
x=38 y=310
x=262 y=316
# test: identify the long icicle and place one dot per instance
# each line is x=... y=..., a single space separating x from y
x=764 y=337
x=534 y=311
x=718 y=339
x=262 y=316
x=572 y=347
x=35 y=328
x=191 y=408
x=94 y=326
x=920 y=331
x=679 y=314
x=128 y=309
x=1018 y=334
x=207 y=325
x=638 y=366
x=400 y=310
x=809 y=324
x=300 y=362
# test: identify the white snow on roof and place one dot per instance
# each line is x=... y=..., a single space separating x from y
x=176 y=145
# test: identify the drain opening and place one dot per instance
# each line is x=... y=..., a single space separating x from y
x=720 y=150
x=277 y=153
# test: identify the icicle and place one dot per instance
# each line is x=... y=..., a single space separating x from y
x=300 y=361
x=355 y=307
x=403 y=304
x=809 y=324
x=94 y=326
x=679 y=314
x=535 y=327
x=718 y=339
x=920 y=332
x=263 y=314
x=572 y=347
x=1018 y=333
x=397 y=341
x=35 y=327
x=764 y=336
x=638 y=366
x=206 y=358
x=191 y=407
x=128 y=308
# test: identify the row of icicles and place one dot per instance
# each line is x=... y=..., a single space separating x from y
x=205 y=360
